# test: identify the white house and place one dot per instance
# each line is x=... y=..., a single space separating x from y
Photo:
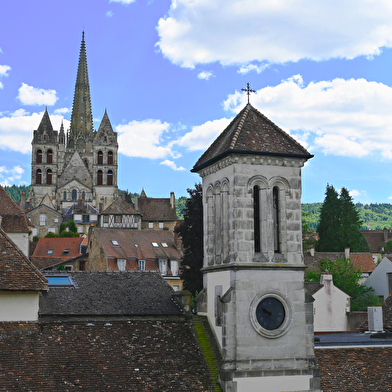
x=381 y=278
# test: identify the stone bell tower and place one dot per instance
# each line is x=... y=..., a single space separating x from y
x=253 y=262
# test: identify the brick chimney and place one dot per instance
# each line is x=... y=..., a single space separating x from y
x=172 y=200
x=347 y=253
x=23 y=201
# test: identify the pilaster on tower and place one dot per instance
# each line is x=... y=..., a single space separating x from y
x=82 y=131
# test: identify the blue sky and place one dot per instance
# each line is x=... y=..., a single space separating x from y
x=170 y=74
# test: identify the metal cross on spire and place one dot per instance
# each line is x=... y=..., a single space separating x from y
x=248 y=90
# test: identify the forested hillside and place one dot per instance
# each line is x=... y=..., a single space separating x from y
x=16 y=190
x=376 y=216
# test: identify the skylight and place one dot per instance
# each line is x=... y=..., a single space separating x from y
x=59 y=281
x=155 y=244
x=114 y=242
x=164 y=244
x=50 y=251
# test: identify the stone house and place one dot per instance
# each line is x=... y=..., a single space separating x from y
x=20 y=283
x=45 y=219
x=14 y=222
x=331 y=305
x=377 y=240
x=83 y=214
x=135 y=250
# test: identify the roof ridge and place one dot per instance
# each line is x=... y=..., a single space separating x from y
x=240 y=125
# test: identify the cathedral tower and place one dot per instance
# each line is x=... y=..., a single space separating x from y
x=81 y=164
x=253 y=262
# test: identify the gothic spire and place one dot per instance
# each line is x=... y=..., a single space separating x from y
x=82 y=118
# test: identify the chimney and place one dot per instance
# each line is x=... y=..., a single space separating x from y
x=172 y=200
x=311 y=251
x=347 y=253
x=385 y=232
x=23 y=201
x=136 y=201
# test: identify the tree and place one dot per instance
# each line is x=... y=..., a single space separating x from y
x=191 y=232
x=347 y=278
x=329 y=226
x=339 y=224
x=71 y=226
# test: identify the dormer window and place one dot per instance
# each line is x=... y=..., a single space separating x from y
x=65 y=251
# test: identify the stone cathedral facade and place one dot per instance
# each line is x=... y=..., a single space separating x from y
x=254 y=294
x=80 y=163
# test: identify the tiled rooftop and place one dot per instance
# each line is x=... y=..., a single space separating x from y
x=155 y=209
x=17 y=273
x=252 y=132
x=138 y=355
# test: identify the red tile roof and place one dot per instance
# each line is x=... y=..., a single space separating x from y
x=17 y=273
x=364 y=261
x=127 y=238
x=251 y=132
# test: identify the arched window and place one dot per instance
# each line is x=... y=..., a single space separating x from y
x=74 y=194
x=86 y=162
x=100 y=158
x=39 y=156
x=110 y=178
x=256 y=218
x=65 y=195
x=110 y=158
x=38 y=177
x=99 y=177
x=275 y=212
x=49 y=177
x=83 y=195
x=49 y=156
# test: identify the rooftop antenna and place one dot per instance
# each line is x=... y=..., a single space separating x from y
x=248 y=90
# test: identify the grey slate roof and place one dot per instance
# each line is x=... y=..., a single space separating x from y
x=251 y=132
x=136 y=293
x=120 y=206
x=312 y=288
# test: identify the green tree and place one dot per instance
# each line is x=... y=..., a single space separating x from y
x=350 y=223
x=329 y=226
x=71 y=226
x=191 y=232
x=347 y=278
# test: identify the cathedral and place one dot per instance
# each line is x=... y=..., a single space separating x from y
x=80 y=164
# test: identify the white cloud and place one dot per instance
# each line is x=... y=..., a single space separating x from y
x=252 y=67
x=172 y=165
x=339 y=117
x=29 y=95
x=16 y=129
x=9 y=176
x=145 y=139
x=4 y=69
x=61 y=111
x=243 y=31
x=356 y=193
x=205 y=75
x=109 y=14
x=126 y=2
x=203 y=135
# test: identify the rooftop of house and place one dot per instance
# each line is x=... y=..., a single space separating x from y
x=251 y=132
x=52 y=251
x=17 y=273
x=156 y=209
x=137 y=355
x=99 y=293
x=120 y=206
x=13 y=218
x=360 y=260
x=140 y=245
x=377 y=238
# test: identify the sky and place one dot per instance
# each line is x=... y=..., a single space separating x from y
x=170 y=74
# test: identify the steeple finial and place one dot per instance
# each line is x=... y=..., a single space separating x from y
x=248 y=90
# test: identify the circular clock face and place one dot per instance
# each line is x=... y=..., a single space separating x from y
x=270 y=313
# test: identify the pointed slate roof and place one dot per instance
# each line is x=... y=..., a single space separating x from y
x=251 y=132
x=45 y=123
x=120 y=206
x=17 y=273
x=82 y=118
x=105 y=129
